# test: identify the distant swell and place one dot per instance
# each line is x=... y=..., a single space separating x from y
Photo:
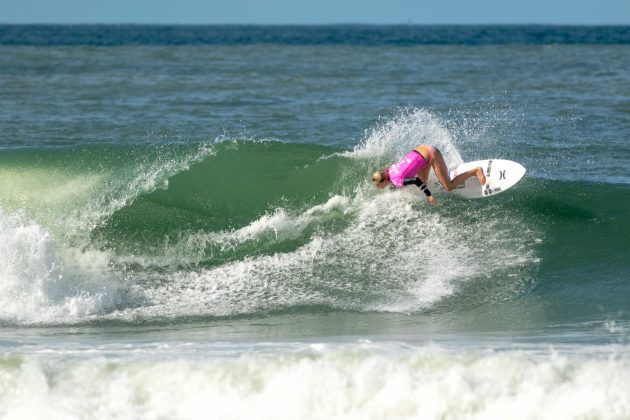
x=371 y=35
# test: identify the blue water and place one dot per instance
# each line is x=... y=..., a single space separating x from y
x=187 y=227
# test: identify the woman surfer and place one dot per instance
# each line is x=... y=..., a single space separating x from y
x=413 y=169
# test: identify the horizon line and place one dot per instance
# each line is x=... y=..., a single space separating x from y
x=305 y=24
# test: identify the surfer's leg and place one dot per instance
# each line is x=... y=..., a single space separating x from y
x=424 y=174
x=441 y=171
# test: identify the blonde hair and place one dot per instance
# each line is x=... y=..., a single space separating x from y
x=379 y=176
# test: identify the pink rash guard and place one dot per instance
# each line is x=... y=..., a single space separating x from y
x=406 y=167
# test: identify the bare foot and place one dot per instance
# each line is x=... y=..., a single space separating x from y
x=480 y=176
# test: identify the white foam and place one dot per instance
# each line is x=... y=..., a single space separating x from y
x=395 y=255
x=43 y=281
x=357 y=382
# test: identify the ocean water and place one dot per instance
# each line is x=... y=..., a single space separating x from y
x=188 y=229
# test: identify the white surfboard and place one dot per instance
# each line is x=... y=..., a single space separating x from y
x=500 y=175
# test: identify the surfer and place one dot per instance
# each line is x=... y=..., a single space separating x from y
x=413 y=169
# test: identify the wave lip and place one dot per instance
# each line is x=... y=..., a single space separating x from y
x=73 y=191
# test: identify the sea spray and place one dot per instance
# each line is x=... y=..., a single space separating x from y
x=407 y=129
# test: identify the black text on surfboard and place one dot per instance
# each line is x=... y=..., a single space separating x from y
x=490 y=191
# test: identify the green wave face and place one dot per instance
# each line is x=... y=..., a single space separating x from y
x=165 y=189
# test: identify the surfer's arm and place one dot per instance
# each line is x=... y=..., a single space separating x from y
x=418 y=183
x=423 y=187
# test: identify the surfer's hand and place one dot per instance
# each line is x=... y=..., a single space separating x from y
x=432 y=200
